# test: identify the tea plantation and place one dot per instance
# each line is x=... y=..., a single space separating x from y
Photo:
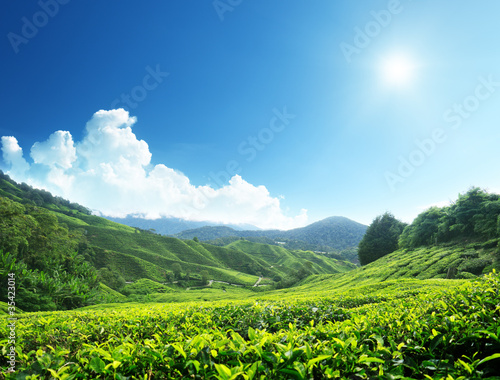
x=407 y=329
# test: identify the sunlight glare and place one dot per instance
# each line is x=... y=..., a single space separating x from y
x=397 y=70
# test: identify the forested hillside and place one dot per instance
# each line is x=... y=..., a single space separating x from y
x=473 y=218
x=334 y=233
x=51 y=266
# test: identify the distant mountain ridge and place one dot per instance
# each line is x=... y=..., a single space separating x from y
x=172 y=226
x=336 y=232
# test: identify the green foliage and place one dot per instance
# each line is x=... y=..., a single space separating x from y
x=475 y=216
x=474 y=265
x=425 y=229
x=278 y=260
x=34 y=236
x=43 y=255
x=108 y=295
x=439 y=332
x=47 y=259
x=177 y=269
x=63 y=287
x=422 y=263
x=380 y=239
x=350 y=254
x=112 y=279
x=204 y=277
x=4 y=309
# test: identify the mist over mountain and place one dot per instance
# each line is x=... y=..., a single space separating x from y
x=172 y=226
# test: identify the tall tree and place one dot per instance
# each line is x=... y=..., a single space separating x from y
x=380 y=239
x=177 y=269
x=429 y=227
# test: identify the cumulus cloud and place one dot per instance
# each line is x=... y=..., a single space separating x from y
x=58 y=150
x=12 y=154
x=110 y=171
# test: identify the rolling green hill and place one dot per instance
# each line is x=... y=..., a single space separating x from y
x=441 y=263
x=285 y=261
x=121 y=245
x=42 y=231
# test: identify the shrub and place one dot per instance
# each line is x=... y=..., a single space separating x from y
x=474 y=266
x=466 y=276
x=144 y=286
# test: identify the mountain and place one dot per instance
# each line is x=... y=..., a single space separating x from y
x=172 y=226
x=60 y=252
x=335 y=232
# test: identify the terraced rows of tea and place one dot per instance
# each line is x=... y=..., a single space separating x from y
x=414 y=329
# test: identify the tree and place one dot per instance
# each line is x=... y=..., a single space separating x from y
x=475 y=215
x=204 y=276
x=498 y=225
x=466 y=207
x=380 y=239
x=429 y=227
x=169 y=277
x=112 y=279
x=177 y=269
x=195 y=239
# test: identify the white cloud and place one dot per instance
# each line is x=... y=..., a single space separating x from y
x=110 y=171
x=12 y=154
x=58 y=150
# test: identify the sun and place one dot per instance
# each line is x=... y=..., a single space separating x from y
x=397 y=70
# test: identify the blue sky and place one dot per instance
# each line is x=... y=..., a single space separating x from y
x=323 y=106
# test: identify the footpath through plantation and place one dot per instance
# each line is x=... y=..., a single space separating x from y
x=438 y=329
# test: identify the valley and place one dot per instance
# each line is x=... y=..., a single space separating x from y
x=99 y=299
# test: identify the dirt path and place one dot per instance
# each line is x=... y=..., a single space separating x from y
x=258 y=282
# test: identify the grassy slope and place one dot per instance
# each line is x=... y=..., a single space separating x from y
x=400 y=273
x=137 y=255
x=285 y=261
x=403 y=267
